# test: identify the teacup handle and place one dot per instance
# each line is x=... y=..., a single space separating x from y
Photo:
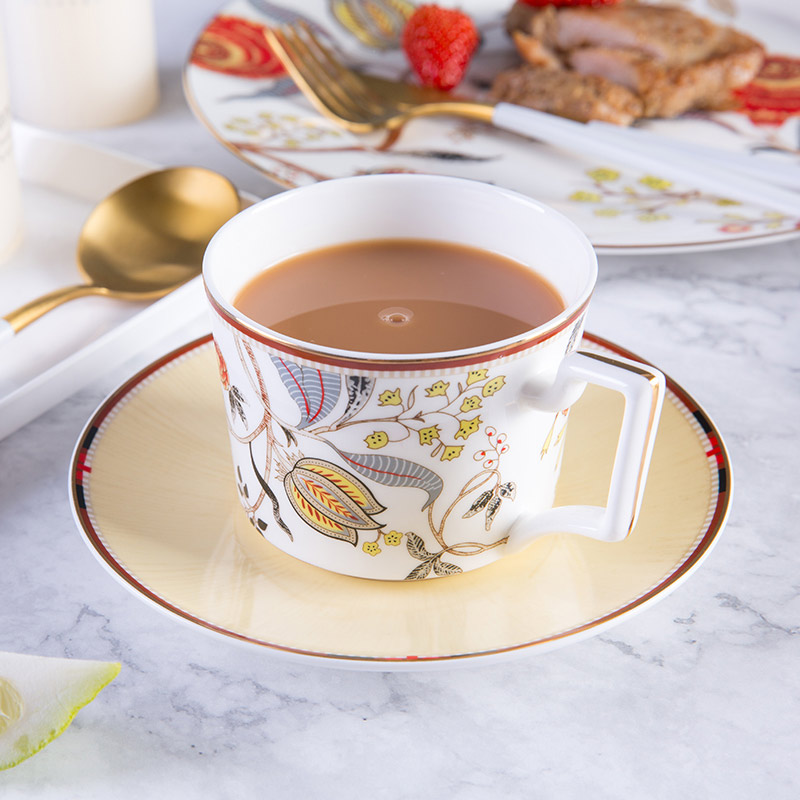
x=643 y=389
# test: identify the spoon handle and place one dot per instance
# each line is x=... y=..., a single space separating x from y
x=20 y=317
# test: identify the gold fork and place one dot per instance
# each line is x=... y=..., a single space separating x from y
x=361 y=103
x=364 y=103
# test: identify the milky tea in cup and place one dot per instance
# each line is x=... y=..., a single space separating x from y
x=398 y=358
x=399 y=296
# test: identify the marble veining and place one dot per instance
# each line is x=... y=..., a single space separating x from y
x=697 y=696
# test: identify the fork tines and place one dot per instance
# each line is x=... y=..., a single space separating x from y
x=334 y=89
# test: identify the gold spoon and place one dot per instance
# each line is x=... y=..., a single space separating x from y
x=143 y=241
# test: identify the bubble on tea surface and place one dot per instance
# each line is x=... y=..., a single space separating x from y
x=396 y=316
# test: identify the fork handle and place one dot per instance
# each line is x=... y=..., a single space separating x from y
x=602 y=143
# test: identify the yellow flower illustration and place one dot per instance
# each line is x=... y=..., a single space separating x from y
x=377 y=439
x=393 y=538
x=451 y=451
x=602 y=174
x=494 y=385
x=468 y=427
x=390 y=398
x=471 y=403
x=655 y=183
x=652 y=217
x=427 y=435
x=439 y=389
x=726 y=201
x=585 y=197
x=371 y=548
x=606 y=212
x=476 y=375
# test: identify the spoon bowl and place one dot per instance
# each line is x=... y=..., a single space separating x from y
x=144 y=240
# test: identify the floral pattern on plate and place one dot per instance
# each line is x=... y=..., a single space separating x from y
x=240 y=92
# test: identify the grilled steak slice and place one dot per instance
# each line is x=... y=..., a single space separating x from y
x=673 y=36
x=667 y=92
x=568 y=94
x=671 y=59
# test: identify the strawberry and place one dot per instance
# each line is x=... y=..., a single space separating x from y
x=439 y=43
x=561 y=3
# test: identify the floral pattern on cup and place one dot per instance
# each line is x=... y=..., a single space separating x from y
x=343 y=496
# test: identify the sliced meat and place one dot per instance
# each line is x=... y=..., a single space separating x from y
x=707 y=84
x=669 y=58
x=667 y=92
x=671 y=35
x=629 y=68
x=568 y=94
x=534 y=52
x=541 y=22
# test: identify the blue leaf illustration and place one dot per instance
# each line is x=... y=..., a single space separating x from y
x=393 y=471
x=314 y=391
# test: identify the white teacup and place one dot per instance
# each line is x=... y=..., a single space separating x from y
x=323 y=473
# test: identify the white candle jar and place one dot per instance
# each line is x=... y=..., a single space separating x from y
x=79 y=64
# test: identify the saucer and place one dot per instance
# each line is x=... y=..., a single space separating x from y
x=154 y=494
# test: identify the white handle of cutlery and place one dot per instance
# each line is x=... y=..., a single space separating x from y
x=597 y=143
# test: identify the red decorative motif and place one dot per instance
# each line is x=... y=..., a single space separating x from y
x=223 y=369
x=236 y=46
x=774 y=95
x=735 y=227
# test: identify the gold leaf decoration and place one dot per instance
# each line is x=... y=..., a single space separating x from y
x=376 y=23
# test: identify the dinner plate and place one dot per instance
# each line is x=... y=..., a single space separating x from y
x=241 y=93
x=155 y=496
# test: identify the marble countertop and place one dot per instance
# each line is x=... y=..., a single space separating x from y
x=697 y=696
